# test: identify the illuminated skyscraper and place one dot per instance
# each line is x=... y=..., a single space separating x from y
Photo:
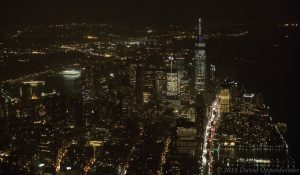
x=172 y=85
x=180 y=71
x=140 y=84
x=172 y=81
x=160 y=83
x=149 y=84
x=225 y=100
x=200 y=67
x=132 y=75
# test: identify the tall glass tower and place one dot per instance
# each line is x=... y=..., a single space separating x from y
x=200 y=64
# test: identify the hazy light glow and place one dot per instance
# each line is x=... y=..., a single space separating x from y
x=71 y=74
x=249 y=95
x=34 y=83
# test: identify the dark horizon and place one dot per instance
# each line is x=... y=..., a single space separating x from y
x=150 y=12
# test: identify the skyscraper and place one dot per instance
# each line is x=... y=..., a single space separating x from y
x=180 y=71
x=172 y=81
x=225 y=100
x=140 y=84
x=200 y=67
x=212 y=72
x=160 y=85
x=172 y=85
x=132 y=74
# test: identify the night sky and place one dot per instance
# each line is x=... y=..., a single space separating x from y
x=148 y=12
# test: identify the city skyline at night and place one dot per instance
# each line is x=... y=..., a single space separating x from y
x=132 y=87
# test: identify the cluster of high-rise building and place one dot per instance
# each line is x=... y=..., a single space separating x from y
x=134 y=115
x=174 y=82
x=186 y=87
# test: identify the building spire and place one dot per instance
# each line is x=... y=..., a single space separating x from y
x=199 y=27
